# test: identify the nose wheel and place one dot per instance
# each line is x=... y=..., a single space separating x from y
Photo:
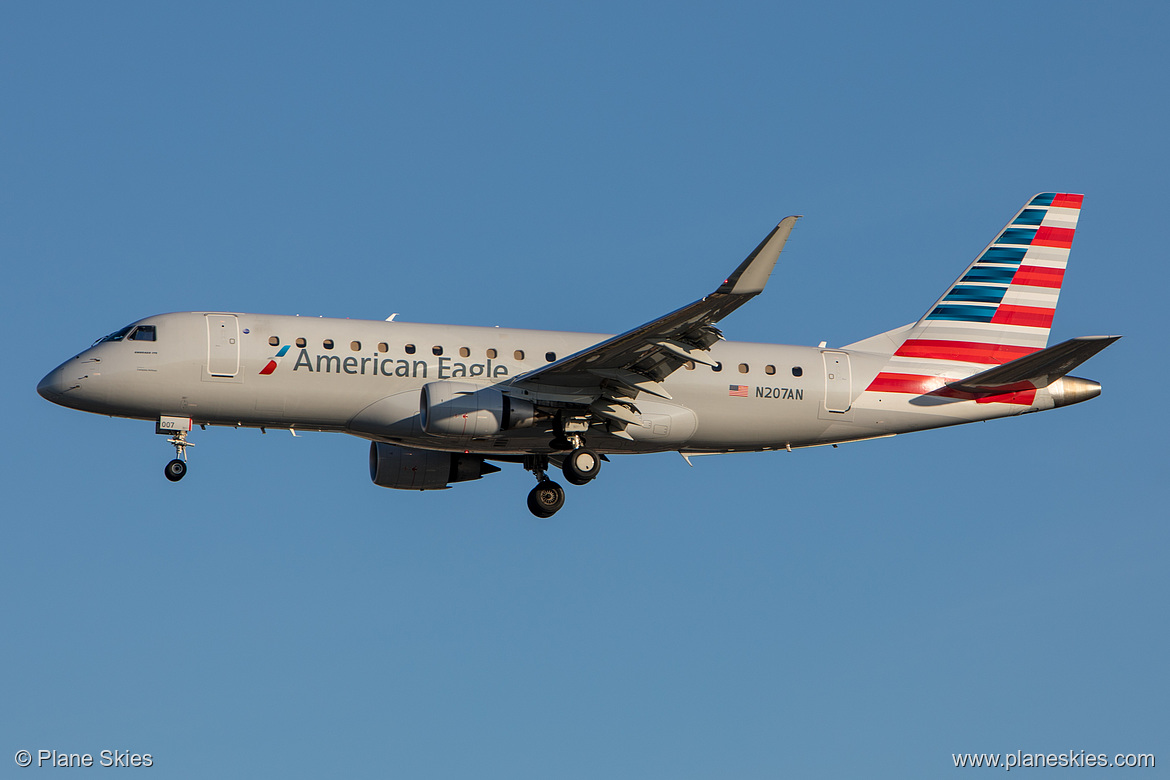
x=177 y=468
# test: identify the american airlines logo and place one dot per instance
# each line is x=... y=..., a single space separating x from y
x=274 y=361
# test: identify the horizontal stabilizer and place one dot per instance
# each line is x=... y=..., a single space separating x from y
x=1039 y=369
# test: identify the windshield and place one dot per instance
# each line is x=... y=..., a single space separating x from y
x=139 y=333
x=117 y=335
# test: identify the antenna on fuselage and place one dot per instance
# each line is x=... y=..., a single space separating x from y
x=391 y=317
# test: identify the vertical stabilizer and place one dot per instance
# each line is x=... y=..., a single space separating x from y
x=999 y=310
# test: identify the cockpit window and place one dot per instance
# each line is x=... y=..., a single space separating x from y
x=117 y=335
x=143 y=333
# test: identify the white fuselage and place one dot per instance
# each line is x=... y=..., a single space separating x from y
x=364 y=378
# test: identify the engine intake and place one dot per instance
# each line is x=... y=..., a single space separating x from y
x=465 y=410
x=406 y=468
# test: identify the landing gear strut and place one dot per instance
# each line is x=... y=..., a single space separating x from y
x=177 y=468
x=547 y=497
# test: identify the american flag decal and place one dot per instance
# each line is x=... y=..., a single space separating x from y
x=739 y=391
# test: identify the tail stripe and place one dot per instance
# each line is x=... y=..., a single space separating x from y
x=991 y=274
x=1003 y=255
x=1054 y=236
x=966 y=351
x=1028 y=316
x=962 y=313
x=1017 y=236
x=1030 y=217
x=1036 y=276
x=973 y=294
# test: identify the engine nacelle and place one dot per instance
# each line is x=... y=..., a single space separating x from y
x=406 y=468
x=465 y=410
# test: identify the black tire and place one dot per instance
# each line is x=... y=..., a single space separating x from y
x=581 y=466
x=175 y=470
x=546 y=499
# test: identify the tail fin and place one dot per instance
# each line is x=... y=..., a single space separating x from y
x=1001 y=308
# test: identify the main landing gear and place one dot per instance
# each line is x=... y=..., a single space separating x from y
x=177 y=468
x=580 y=466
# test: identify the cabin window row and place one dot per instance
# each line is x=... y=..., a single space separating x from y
x=412 y=349
x=744 y=368
x=518 y=354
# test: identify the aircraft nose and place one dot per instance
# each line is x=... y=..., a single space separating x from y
x=52 y=387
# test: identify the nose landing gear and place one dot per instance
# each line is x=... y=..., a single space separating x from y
x=177 y=468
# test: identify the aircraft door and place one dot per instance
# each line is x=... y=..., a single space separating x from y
x=223 y=345
x=838 y=384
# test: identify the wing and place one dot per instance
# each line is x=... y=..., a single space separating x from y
x=616 y=370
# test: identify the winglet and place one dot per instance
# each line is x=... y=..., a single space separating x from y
x=753 y=273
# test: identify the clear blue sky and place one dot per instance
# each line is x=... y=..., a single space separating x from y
x=859 y=612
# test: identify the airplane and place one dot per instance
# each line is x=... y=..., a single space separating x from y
x=441 y=404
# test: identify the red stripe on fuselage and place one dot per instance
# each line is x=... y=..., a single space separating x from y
x=968 y=351
x=268 y=369
x=918 y=384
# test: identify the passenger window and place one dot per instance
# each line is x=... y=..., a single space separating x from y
x=410 y=349
x=491 y=353
x=327 y=343
x=143 y=333
x=797 y=371
x=274 y=341
x=518 y=354
x=550 y=357
x=437 y=350
x=383 y=346
x=301 y=343
x=689 y=365
x=464 y=352
x=743 y=368
x=769 y=370
x=356 y=346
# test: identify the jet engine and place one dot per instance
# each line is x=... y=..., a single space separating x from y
x=406 y=468
x=465 y=410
